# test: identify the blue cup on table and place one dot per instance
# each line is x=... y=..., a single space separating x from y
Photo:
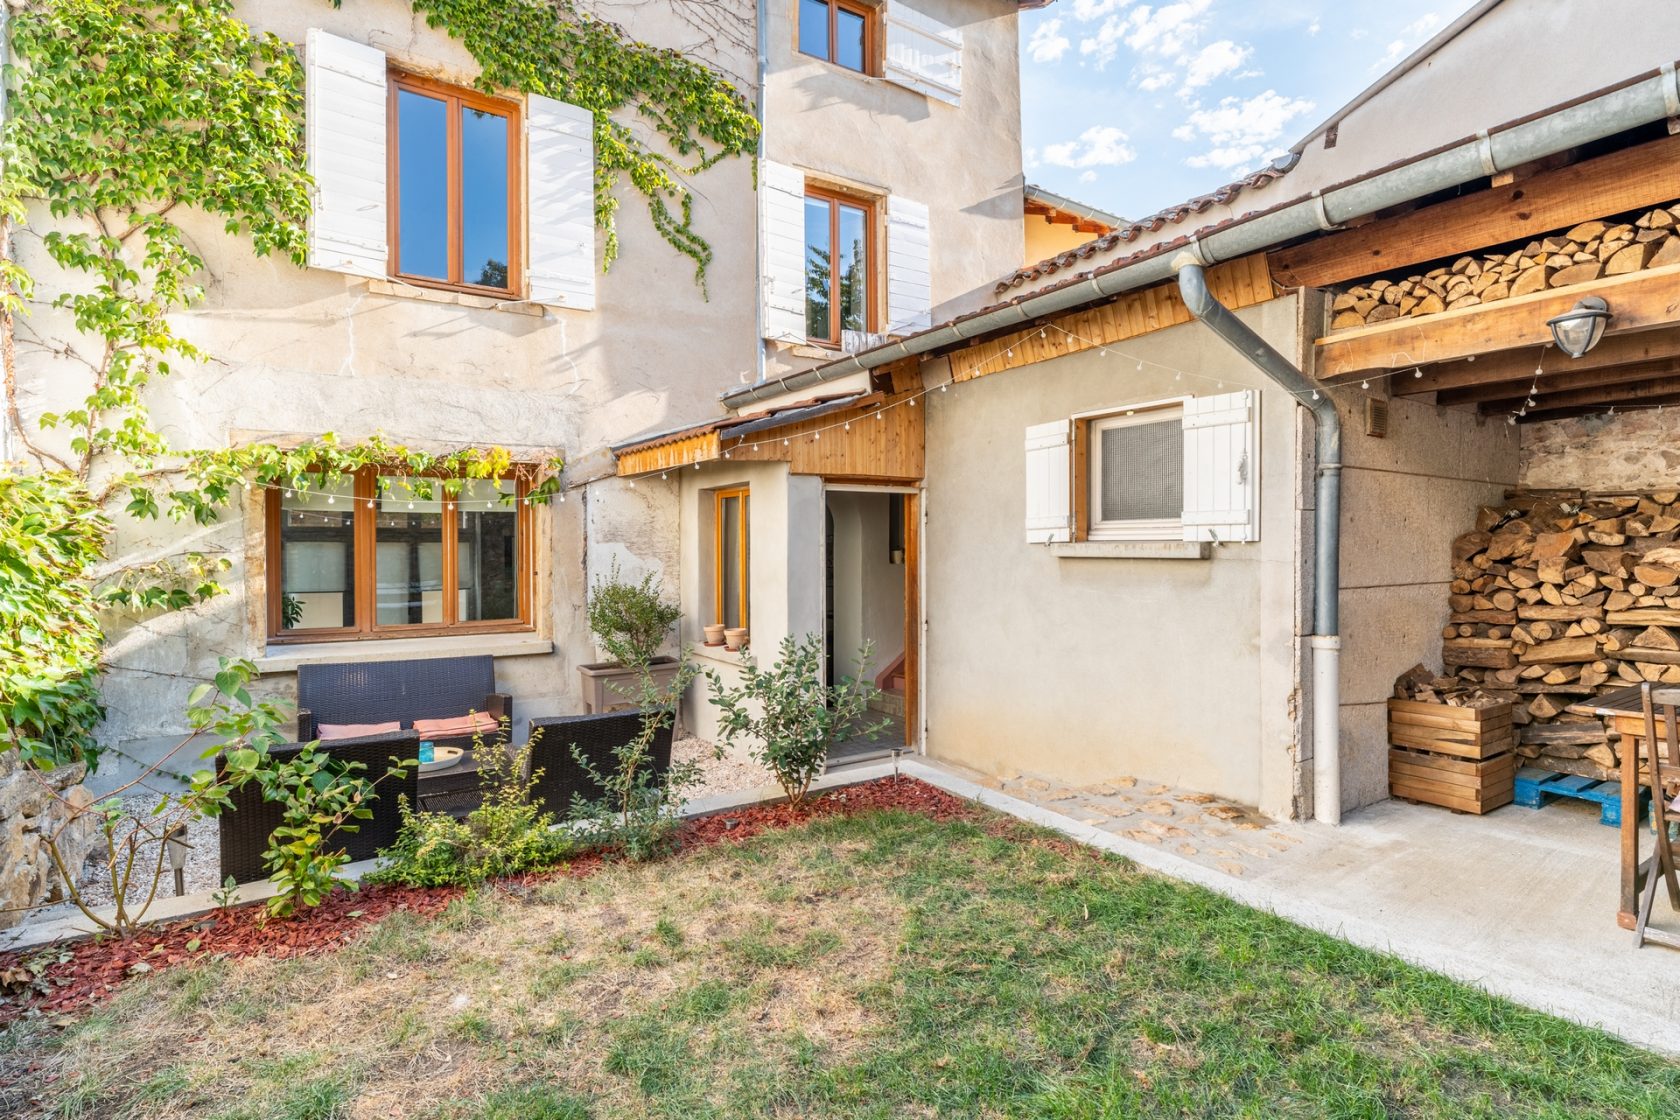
x=428 y=752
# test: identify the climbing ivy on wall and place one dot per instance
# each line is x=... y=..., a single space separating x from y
x=552 y=48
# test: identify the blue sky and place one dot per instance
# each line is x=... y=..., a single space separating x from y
x=1132 y=106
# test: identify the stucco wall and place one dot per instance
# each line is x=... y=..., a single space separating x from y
x=299 y=352
x=1625 y=451
x=962 y=161
x=1404 y=498
x=1046 y=239
x=1084 y=669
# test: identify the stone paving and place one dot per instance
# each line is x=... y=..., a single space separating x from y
x=1229 y=838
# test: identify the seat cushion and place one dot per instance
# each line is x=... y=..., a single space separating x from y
x=355 y=730
x=457 y=726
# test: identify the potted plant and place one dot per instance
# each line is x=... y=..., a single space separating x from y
x=714 y=634
x=630 y=622
x=735 y=637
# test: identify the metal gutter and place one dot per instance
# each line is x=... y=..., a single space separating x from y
x=1065 y=205
x=1326 y=639
x=1648 y=98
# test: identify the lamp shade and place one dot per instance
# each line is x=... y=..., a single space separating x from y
x=1578 y=330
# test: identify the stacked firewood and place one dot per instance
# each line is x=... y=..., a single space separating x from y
x=1558 y=596
x=1587 y=252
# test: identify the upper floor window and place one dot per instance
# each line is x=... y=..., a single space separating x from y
x=838 y=31
x=454 y=186
x=839 y=232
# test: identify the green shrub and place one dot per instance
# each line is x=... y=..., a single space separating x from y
x=790 y=717
x=631 y=620
x=505 y=835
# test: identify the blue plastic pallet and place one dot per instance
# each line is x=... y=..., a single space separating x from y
x=1534 y=787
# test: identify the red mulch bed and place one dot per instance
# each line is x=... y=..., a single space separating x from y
x=94 y=968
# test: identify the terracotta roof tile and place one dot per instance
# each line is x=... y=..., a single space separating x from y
x=1154 y=223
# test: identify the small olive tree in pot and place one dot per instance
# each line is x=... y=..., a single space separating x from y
x=790 y=717
x=630 y=622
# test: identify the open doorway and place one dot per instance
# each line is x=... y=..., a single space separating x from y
x=871 y=586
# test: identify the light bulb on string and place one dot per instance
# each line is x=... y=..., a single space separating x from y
x=1364 y=384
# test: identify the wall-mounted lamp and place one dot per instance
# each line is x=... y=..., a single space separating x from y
x=1578 y=330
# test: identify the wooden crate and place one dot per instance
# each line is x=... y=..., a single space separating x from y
x=1446 y=729
x=1468 y=785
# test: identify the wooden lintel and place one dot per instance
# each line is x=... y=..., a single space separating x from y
x=699 y=448
x=1640 y=347
x=1645 y=175
x=1638 y=301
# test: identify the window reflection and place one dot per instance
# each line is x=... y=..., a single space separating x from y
x=422 y=185
x=317 y=557
x=487 y=556
x=819 y=271
x=408 y=552
x=484 y=198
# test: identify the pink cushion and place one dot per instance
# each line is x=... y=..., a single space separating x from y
x=355 y=730
x=457 y=727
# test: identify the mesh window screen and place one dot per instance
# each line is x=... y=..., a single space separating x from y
x=1142 y=471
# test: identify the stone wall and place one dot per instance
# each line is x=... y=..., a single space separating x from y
x=1617 y=451
x=34 y=806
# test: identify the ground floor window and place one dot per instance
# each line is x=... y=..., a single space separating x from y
x=381 y=555
x=1134 y=475
x=731 y=565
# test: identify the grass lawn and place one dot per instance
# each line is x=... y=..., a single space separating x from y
x=883 y=965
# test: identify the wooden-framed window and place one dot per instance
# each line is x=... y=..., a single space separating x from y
x=375 y=556
x=839 y=266
x=1129 y=475
x=839 y=31
x=731 y=557
x=454 y=187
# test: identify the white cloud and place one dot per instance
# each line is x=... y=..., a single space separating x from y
x=1312 y=28
x=1048 y=44
x=1088 y=10
x=1240 y=131
x=1029 y=158
x=1087 y=176
x=1156 y=79
x=1212 y=61
x=1168 y=30
x=1411 y=36
x=1097 y=146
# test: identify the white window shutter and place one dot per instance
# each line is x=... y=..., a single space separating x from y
x=1049 y=499
x=1222 y=467
x=560 y=183
x=922 y=53
x=344 y=136
x=781 y=206
x=909 y=267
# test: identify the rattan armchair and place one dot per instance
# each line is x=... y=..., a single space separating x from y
x=596 y=736
x=249 y=819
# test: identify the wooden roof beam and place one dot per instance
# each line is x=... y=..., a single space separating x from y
x=1638 y=301
x=1631 y=179
x=1518 y=365
x=1601 y=396
x=1516 y=390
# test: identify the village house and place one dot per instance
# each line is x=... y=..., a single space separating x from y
x=455 y=296
x=1182 y=501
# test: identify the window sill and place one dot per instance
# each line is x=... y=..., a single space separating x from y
x=286 y=659
x=512 y=304
x=1132 y=550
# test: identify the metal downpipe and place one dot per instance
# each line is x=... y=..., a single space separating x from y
x=1326 y=640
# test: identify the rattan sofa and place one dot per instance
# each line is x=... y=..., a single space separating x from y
x=596 y=736
x=400 y=691
x=247 y=822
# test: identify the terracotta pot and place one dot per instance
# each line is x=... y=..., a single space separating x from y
x=714 y=634
x=735 y=637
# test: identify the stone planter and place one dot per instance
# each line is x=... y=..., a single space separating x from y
x=609 y=686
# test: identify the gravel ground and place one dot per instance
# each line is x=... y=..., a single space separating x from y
x=734 y=771
x=203 y=861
